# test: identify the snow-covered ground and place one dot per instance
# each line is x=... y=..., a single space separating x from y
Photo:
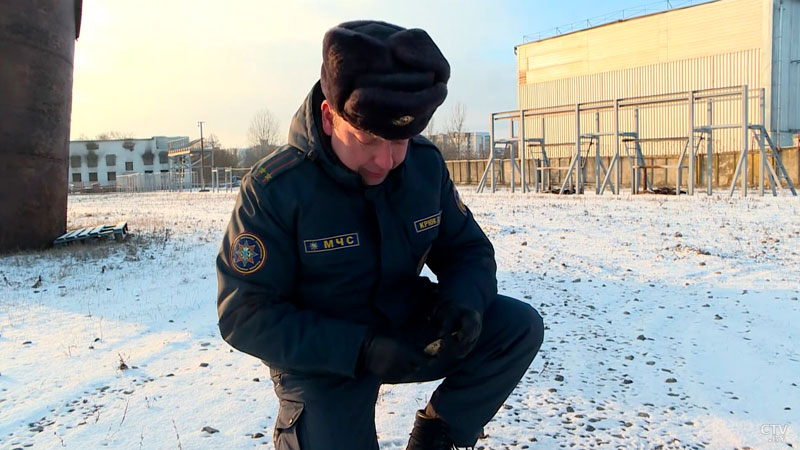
x=671 y=323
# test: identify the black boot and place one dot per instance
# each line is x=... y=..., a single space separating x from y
x=429 y=434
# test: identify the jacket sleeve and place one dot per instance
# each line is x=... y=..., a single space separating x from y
x=256 y=275
x=462 y=256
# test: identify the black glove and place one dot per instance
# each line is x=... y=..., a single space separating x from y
x=390 y=358
x=458 y=326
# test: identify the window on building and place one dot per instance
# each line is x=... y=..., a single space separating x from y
x=75 y=161
x=148 y=157
x=164 y=170
x=129 y=166
x=111 y=160
x=91 y=159
x=148 y=171
x=112 y=176
x=162 y=157
x=92 y=176
x=76 y=178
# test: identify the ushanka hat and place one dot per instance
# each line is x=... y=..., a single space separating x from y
x=383 y=78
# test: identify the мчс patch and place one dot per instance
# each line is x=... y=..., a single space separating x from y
x=331 y=243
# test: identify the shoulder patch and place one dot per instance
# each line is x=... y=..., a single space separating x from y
x=247 y=253
x=266 y=170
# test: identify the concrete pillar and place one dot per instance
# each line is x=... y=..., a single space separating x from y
x=37 y=47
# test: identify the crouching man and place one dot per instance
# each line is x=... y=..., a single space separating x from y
x=319 y=271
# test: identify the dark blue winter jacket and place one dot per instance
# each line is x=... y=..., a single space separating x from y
x=313 y=260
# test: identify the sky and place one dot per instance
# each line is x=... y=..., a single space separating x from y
x=150 y=67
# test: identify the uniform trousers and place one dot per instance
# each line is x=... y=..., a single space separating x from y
x=331 y=412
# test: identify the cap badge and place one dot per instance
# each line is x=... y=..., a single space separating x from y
x=403 y=121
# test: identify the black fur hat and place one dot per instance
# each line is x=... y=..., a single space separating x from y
x=383 y=78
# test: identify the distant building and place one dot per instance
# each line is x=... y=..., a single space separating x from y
x=472 y=144
x=100 y=162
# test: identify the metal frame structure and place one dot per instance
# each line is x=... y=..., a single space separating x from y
x=227 y=180
x=691 y=148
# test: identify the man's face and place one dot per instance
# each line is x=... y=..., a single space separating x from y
x=370 y=156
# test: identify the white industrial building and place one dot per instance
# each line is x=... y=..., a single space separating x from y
x=100 y=162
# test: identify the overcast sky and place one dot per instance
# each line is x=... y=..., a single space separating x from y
x=154 y=67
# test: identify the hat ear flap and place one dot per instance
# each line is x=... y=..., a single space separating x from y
x=415 y=48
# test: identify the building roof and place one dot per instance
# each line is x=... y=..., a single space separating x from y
x=613 y=22
x=184 y=148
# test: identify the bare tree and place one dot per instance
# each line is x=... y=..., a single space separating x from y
x=454 y=147
x=430 y=129
x=112 y=135
x=212 y=141
x=262 y=135
x=263 y=131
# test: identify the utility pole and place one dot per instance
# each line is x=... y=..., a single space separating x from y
x=202 y=159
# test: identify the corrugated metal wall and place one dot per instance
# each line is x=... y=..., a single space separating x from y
x=714 y=45
x=787 y=55
x=708 y=72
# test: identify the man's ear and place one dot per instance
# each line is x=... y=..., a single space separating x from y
x=327 y=118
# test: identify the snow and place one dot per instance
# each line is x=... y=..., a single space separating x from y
x=670 y=321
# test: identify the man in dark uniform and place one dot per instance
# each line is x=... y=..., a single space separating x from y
x=319 y=271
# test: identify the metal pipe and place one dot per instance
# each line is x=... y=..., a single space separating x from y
x=616 y=147
x=745 y=132
x=482 y=182
x=545 y=160
x=719 y=127
x=762 y=156
x=778 y=98
x=635 y=178
x=596 y=153
x=202 y=159
x=578 y=169
x=512 y=158
x=709 y=154
x=522 y=150
x=691 y=147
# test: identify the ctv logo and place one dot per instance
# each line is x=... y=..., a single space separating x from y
x=777 y=433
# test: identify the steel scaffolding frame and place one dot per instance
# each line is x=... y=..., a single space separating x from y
x=542 y=168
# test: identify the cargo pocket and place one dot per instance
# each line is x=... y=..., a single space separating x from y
x=286 y=432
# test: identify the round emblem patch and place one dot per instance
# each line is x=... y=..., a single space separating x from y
x=247 y=253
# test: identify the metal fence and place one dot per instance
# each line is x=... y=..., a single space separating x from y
x=148 y=182
x=709 y=122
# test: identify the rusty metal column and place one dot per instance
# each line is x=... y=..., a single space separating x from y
x=37 y=47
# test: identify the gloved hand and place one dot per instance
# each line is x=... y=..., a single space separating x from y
x=390 y=358
x=459 y=326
